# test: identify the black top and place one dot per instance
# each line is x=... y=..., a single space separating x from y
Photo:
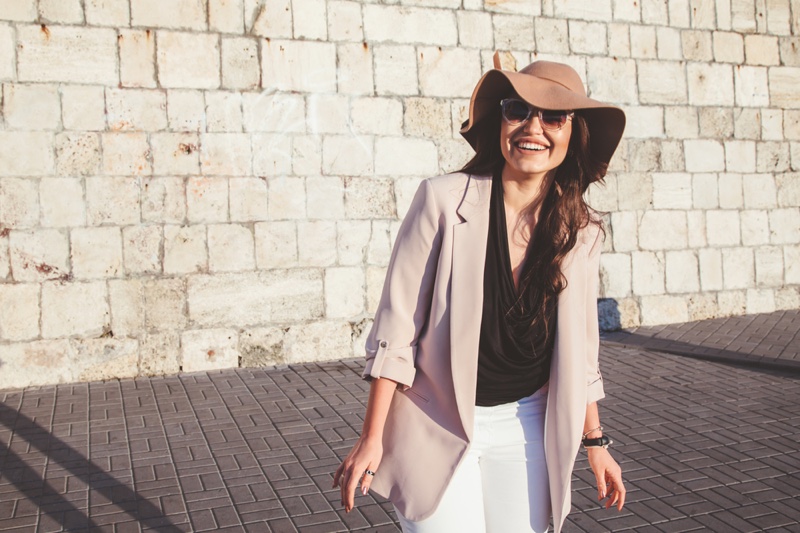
x=511 y=365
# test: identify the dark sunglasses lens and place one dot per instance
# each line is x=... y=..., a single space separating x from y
x=515 y=110
x=554 y=119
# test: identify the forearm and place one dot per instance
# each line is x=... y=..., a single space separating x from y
x=592 y=421
x=380 y=397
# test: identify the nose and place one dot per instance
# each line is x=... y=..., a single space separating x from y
x=533 y=124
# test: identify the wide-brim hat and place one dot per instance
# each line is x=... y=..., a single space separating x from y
x=546 y=85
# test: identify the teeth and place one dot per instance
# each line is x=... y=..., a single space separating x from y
x=531 y=146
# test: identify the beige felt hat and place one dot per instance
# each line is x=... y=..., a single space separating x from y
x=546 y=85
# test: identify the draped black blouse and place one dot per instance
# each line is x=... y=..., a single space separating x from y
x=511 y=365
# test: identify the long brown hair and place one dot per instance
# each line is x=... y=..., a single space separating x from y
x=564 y=212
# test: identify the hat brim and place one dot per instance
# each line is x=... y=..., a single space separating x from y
x=606 y=122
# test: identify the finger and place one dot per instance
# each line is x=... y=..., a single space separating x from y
x=366 y=481
x=352 y=484
x=601 y=485
x=337 y=475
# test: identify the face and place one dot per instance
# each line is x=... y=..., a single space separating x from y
x=530 y=150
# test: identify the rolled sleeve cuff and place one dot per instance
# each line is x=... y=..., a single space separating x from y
x=595 y=390
x=396 y=364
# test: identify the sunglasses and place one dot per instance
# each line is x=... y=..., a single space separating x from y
x=516 y=111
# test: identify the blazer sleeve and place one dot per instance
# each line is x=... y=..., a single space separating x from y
x=593 y=378
x=407 y=291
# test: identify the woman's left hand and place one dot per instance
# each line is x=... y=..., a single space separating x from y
x=609 y=477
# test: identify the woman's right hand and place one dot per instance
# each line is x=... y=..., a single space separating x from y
x=365 y=455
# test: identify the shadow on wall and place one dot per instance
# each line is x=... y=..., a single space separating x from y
x=52 y=503
x=608 y=314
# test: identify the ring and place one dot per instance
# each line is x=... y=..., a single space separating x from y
x=369 y=472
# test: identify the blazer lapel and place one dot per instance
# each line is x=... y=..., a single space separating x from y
x=466 y=297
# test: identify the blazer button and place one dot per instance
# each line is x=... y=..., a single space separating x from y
x=383 y=344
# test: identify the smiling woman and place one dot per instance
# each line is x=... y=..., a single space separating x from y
x=483 y=353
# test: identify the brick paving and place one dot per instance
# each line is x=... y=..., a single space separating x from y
x=705 y=446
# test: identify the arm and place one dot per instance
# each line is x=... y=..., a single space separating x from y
x=606 y=470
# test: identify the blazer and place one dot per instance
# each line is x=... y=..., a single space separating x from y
x=425 y=336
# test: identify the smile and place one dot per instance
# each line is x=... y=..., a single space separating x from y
x=529 y=146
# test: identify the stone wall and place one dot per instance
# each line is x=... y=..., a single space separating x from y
x=196 y=184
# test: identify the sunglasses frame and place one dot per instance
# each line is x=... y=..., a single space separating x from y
x=531 y=109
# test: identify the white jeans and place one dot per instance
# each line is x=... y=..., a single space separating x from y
x=501 y=485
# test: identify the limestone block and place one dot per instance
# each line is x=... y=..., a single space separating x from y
x=352 y=239
x=682 y=272
x=624 y=231
x=787 y=298
x=772 y=125
x=644 y=122
x=779 y=17
x=164 y=304
x=791 y=258
x=347 y=155
x=61 y=202
x=112 y=201
x=230 y=248
x=375 y=278
x=648 y=273
x=107 y=12
x=19 y=314
x=755 y=227
x=318 y=341
x=704 y=155
x=207 y=199
x=276 y=244
x=728 y=47
x=96 y=252
x=126 y=301
x=696 y=45
x=740 y=156
x=137 y=50
x=783 y=82
x=613 y=80
x=663 y=230
x=772 y=157
x=643 y=42
x=738 y=268
x=453 y=155
x=731 y=303
x=679 y=13
x=316 y=243
x=209 y=349
x=584 y=37
x=722 y=227
x=304 y=66
x=759 y=191
x=519 y=7
x=368 y=198
x=188 y=60
x=579 y=9
x=262 y=347
x=660 y=82
x=760 y=301
x=603 y=195
x=795 y=155
x=225 y=154
x=635 y=191
x=627 y=10
x=186 y=110
x=240 y=67
x=31 y=107
x=344 y=21
x=27 y=364
x=448 y=72
x=175 y=153
x=252 y=298
x=703 y=306
x=306 y=157
x=384 y=23
x=328 y=113
x=345 y=292
x=83 y=107
x=269 y=18
x=784 y=225
x=761 y=50
x=19 y=203
x=26 y=153
x=395 y=70
x=38 y=255
x=312 y=24
x=248 y=199
x=355 y=72
x=642 y=155
x=680 y=122
x=380 y=243
x=402 y=156
x=141 y=249
x=8 y=60
x=163 y=200
x=619 y=40
x=19 y=10
x=287 y=198
x=790 y=51
x=224 y=111
x=185 y=249
x=125 y=154
x=475 y=29
x=788 y=189
x=615 y=314
x=742 y=15
x=710 y=84
x=615 y=275
x=280 y=113
x=404 y=191
x=5 y=261
x=696 y=221
x=77 y=154
x=672 y=191
x=710 y=269
x=751 y=86
x=427 y=117
x=74 y=309
x=188 y=14
x=703 y=14
x=159 y=354
x=325 y=197
x=65 y=54
x=664 y=310
x=384 y=116
x=512 y=32
x=669 y=44
x=769 y=266
x=226 y=16
x=704 y=191
x=747 y=123
x=731 y=195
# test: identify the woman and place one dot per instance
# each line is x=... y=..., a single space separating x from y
x=483 y=353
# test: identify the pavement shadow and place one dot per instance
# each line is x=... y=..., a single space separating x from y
x=29 y=482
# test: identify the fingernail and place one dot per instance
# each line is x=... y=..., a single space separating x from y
x=364 y=491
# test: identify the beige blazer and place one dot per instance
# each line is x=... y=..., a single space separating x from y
x=425 y=337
